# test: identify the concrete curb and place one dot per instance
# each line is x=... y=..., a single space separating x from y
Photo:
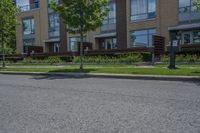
x=105 y=75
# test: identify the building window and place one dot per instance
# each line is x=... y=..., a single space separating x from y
x=191 y=37
x=109 y=23
x=29 y=42
x=26 y=5
x=108 y=43
x=73 y=43
x=187 y=6
x=28 y=26
x=142 y=38
x=54 y=25
x=188 y=11
x=111 y=18
x=196 y=37
x=143 y=9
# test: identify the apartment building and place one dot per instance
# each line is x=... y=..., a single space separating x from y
x=130 y=24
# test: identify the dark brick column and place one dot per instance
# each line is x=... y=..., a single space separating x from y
x=121 y=24
x=63 y=37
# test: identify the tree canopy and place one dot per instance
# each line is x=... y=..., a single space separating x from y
x=8 y=22
x=197 y=3
x=81 y=15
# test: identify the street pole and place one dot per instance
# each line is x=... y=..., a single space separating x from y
x=172 y=62
x=153 y=55
x=81 y=52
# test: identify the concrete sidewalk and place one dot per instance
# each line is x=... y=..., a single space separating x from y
x=106 y=75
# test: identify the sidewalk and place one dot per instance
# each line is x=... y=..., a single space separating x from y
x=105 y=75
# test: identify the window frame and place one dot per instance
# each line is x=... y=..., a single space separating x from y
x=70 y=48
x=147 y=35
x=33 y=26
x=53 y=29
x=147 y=13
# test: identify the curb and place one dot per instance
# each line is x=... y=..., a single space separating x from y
x=105 y=75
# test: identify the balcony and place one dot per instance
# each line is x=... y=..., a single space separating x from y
x=29 y=7
x=107 y=28
x=189 y=14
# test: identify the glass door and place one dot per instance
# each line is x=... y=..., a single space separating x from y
x=108 y=44
x=187 y=37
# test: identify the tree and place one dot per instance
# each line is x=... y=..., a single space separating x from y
x=81 y=16
x=197 y=4
x=8 y=22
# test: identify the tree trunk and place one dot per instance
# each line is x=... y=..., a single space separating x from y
x=3 y=51
x=81 y=52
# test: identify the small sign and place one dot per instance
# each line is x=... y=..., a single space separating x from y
x=175 y=43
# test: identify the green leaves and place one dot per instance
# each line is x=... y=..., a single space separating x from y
x=197 y=4
x=8 y=22
x=82 y=15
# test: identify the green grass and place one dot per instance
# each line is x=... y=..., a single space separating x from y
x=116 y=69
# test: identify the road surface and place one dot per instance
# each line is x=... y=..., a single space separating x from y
x=48 y=104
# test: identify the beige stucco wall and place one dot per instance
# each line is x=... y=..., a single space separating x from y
x=166 y=16
x=41 y=25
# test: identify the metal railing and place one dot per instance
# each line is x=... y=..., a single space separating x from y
x=108 y=28
x=189 y=14
x=29 y=7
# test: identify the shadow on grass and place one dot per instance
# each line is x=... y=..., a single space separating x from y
x=196 y=72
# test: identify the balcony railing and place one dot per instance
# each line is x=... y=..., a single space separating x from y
x=189 y=14
x=106 y=28
x=29 y=7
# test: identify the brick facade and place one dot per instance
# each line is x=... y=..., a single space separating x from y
x=166 y=16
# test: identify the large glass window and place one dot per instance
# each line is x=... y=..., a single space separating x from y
x=109 y=23
x=73 y=43
x=143 y=9
x=186 y=6
x=196 y=36
x=109 y=43
x=111 y=18
x=29 y=42
x=188 y=11
x=28 y=26
x=142 y=38
x=191 y=37
x=26 y=5
x=21 y=3
x=54 y=25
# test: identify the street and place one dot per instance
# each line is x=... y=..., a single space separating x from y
x=53 y=104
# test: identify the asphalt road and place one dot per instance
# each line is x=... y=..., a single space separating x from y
x=42 y=104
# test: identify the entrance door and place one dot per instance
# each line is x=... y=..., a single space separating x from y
x=108 y=44
x=56 y=47
x=187 y=37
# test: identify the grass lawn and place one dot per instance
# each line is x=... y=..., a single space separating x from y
x=186 y=70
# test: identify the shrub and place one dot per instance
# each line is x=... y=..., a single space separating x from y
x=53 y=60
x=27 y=60
x=128 y=58
x=187 y=58
x=66 y=58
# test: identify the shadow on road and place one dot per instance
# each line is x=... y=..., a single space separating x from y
x=83 y=76
x=72 y=75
